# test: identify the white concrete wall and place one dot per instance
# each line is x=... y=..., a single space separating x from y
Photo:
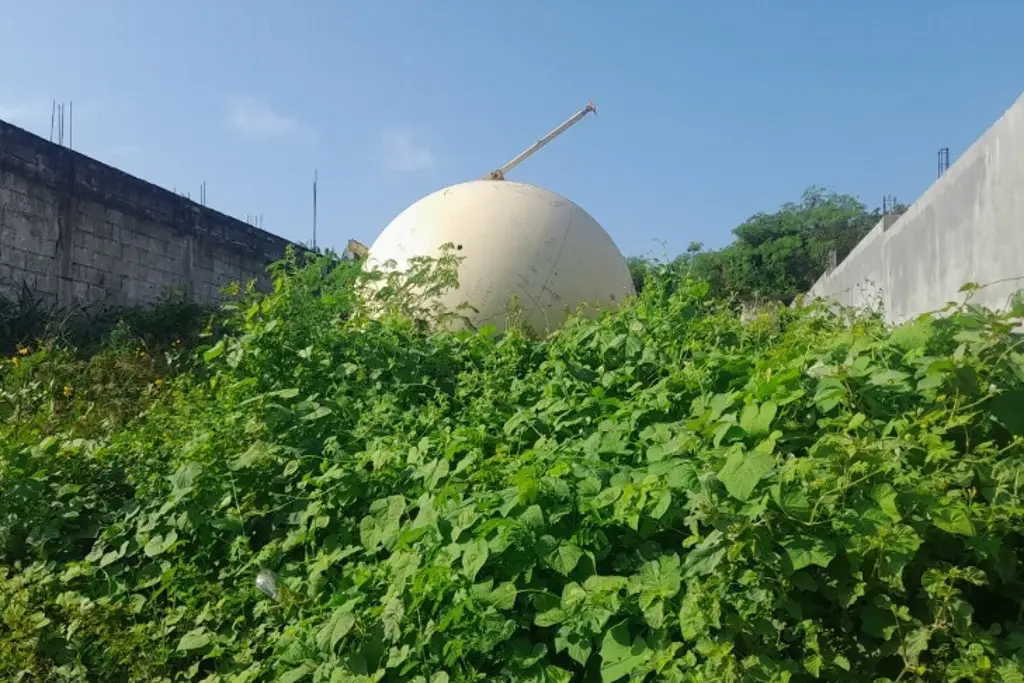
x=967 y=227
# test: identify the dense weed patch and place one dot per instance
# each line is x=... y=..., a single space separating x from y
x=666 y=493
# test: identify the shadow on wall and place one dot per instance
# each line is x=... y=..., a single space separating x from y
x=27 y=319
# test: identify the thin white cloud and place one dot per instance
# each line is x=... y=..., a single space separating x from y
x=255 y=119
x=404 y=149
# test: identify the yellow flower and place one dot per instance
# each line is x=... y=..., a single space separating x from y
x=68 y=391
x=15 y=360
x=158 y=381
x=23 y=351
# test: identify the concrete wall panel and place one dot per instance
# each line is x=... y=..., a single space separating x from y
x=967 y=227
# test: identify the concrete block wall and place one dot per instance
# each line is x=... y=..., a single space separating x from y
x=79 y=232
x=967 y=227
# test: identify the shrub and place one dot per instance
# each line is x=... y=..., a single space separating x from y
x=665 y=493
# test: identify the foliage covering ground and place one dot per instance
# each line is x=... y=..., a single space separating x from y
x=666 y=493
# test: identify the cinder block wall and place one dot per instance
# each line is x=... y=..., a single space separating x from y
x=77 y=231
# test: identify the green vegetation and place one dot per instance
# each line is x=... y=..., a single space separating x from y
x=666 y=493
x=778 y=256
x=27 y=317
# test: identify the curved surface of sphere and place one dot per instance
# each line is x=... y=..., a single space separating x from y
x=516 y=240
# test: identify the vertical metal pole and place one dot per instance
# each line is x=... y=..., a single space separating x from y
x=314 y=207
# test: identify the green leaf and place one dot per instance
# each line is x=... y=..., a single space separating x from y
x=914 y=643
x=705 y=558
x=889 y=378
x=338 y=625
x=954 y=518
x=317 y=414
x=743 y=470
x=914 y=334
x=550 y=617
x=159 y=544
x=619 y=655
x=661 y=505
x=812 y=663
x=474 y=556
x=214 y=351
x=504 y=596
x=607 y=496
x=804 y=551
x=565 y=558
x=757 y=420
x=830 y=393
x=184 y=478
x=195 y=639
x=296 y=674
x=576 y=646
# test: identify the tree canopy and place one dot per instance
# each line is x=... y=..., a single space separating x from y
x=778 y=256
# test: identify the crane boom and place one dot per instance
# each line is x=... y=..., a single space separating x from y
x=499 y=174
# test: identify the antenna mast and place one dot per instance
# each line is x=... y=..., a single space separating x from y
x=499 y=174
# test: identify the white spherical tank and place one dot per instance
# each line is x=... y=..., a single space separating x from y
x=515 y=240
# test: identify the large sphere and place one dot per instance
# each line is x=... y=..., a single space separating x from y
x=516 y=240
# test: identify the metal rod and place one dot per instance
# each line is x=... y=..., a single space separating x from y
x=499 y=174
x=314 y=207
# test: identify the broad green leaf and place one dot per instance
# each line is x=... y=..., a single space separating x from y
x=338 y=625
x=504 y=596
x=474 y=556
x=889 y=378
x=757 y=420
x=295 y=674
x=607 y=496
x=319 y=413
x=195 y=639
x=885 y=496
x=550 y=617
x=804 y=551
x=812 y=663
x=576 y=646
x=619 y=654
x=706 y=557
x=914 y=643
x=662 y=503
x=159 y=544
x=565 y=558
x=184 y=477
x=743 y=470
x=954 y=518
x=913 y=335
x=830 y=393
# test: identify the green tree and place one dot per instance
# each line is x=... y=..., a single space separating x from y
x=777 y=256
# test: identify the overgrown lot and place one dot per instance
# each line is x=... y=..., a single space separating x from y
x=663 y=494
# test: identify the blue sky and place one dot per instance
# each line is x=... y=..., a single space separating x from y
x=707 y=112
